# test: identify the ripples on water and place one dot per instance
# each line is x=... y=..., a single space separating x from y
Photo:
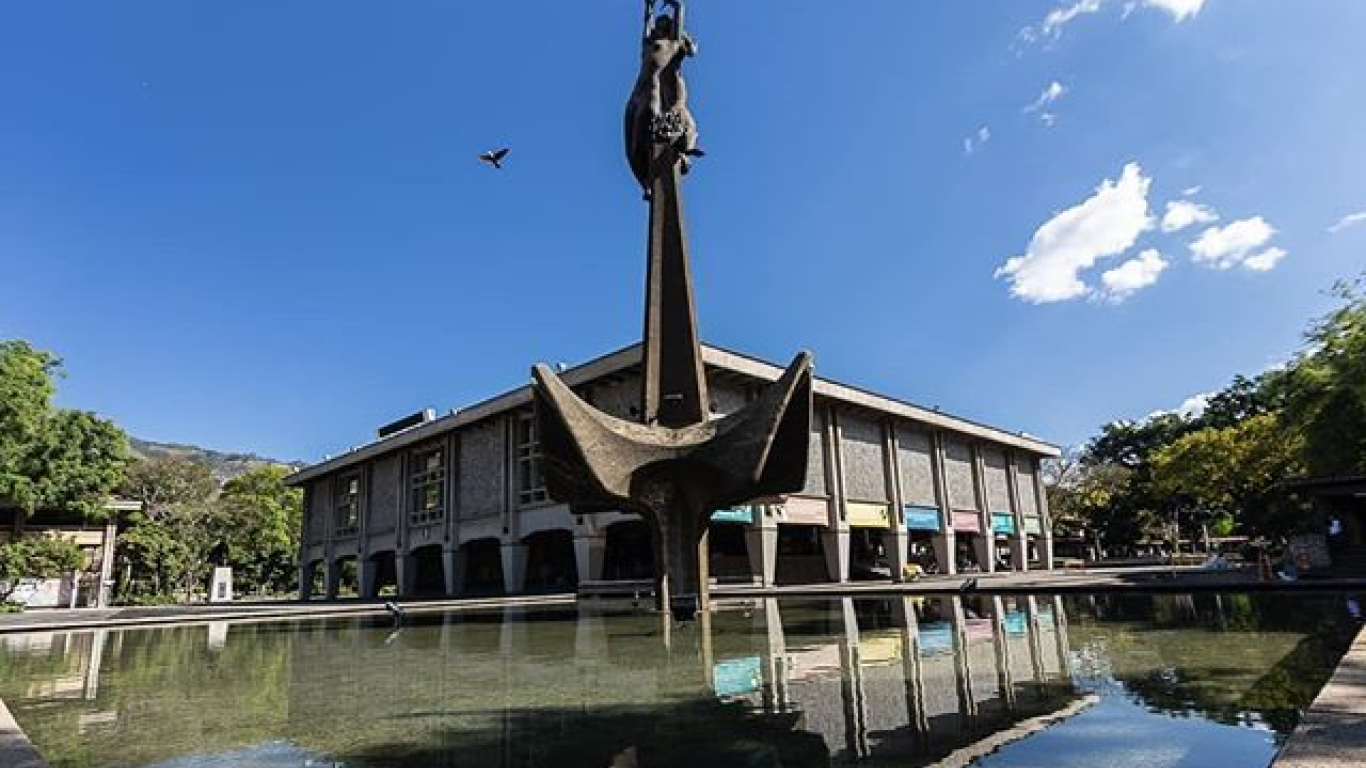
x=1110 y=680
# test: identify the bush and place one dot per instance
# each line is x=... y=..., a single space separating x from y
x=36 y=557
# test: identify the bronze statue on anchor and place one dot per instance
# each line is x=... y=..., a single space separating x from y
x=678 y=464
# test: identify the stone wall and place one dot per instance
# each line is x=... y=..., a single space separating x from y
x=998 y=492
x=916 y=457
x=958 y=469
x=1024 y=470
x=319 y=508
x=815 y=459
x=386 y=494
x=865 y=476
x=482 y=463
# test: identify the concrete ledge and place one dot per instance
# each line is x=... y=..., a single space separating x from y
x=16 y=751
x=1332 y=733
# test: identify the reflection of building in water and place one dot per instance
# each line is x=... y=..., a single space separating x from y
x=913 y=676
x=76 y=655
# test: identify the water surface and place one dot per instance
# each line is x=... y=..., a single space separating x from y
x=1147 y=680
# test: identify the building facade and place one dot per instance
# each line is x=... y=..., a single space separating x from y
x=457 y=505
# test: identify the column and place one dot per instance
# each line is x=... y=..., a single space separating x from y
x=897 y=539
x=453 y=568
x=589 y=552
x=851 y=688
x=835 y=538
x=332 y=581
x=1019 y=542
x=985 y=546
x=944 y=543
x=761 y=544
x=945 y=549
x=835 y=547
x=306 y=571
x=1045 y=520
x=514 y=567
x=403 y=572
x=365 y=577
x=106 y=582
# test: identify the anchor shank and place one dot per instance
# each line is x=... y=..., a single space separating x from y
x=673 y=384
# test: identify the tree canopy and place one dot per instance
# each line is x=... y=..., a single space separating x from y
x=1225 y=467
x=52 y=457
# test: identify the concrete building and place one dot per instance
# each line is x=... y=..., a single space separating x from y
x=456 y=505
x=92 y=585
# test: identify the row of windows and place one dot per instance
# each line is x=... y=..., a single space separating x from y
x=427 y=482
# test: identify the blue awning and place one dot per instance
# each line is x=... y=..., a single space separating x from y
x=920 y=518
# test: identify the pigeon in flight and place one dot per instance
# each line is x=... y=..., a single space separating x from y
x=494 y=157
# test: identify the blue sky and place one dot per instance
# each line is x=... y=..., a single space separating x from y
x=260 y=226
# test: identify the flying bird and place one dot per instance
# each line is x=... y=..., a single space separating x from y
x=494 y=157
x=396 y=611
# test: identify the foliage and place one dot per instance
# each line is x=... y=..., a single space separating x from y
x=1226 y=467
x=261 y=518
x=189 y=524
x=36 y=557
x=1236 y=469
x=1326 y=388
x=50 y=457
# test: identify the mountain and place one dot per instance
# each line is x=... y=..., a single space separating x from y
x=225 y=466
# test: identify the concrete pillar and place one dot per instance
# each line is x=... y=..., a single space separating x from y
x=1036 y=662
x=851 y=684
x=404 y=565
x=1019 y=551
x=514 y=567
x=365 y=578
x=453 y=568
x=945 y=550
x=306 y=571
x=897 y=541
x=761 y=544
x=589 y=552
x=332 y=583
x=984 y=547
x=1045 y=545
x=835 y=546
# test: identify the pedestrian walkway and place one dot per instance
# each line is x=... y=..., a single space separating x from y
x=1332 y=733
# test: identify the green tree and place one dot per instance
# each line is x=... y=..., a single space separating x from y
x=1234 y=471
x=260 y=516
x=36 y=557
x=166 y=546
x=50 y=457
x=1326 y=388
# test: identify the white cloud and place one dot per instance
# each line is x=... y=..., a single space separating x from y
x=1234 y=244
x=1063 y=15
x=1132 y=276
x=1350 y=219
x=1179 y=9
x=1105 y=224
x=1052 y=93
x=1052 y=24
x=1192 y=407
x=975 y=141
x=1183 y=213
x=1266 y=260
x=1191 y=191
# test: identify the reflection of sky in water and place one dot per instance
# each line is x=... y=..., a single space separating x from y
x=1116 y=733
x=272 y=754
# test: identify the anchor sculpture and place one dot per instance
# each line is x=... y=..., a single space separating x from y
x=679 y=463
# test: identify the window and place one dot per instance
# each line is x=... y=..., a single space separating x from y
x=346 y=495
x=530 y=472
x=427 y=484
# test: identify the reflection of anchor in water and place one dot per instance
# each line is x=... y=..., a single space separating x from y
x=678 y=465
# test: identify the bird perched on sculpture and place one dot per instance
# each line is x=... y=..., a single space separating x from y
x=494 y=157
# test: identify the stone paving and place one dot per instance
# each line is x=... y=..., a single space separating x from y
x=1332 y=733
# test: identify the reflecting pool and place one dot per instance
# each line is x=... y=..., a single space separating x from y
x=1115 y=680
